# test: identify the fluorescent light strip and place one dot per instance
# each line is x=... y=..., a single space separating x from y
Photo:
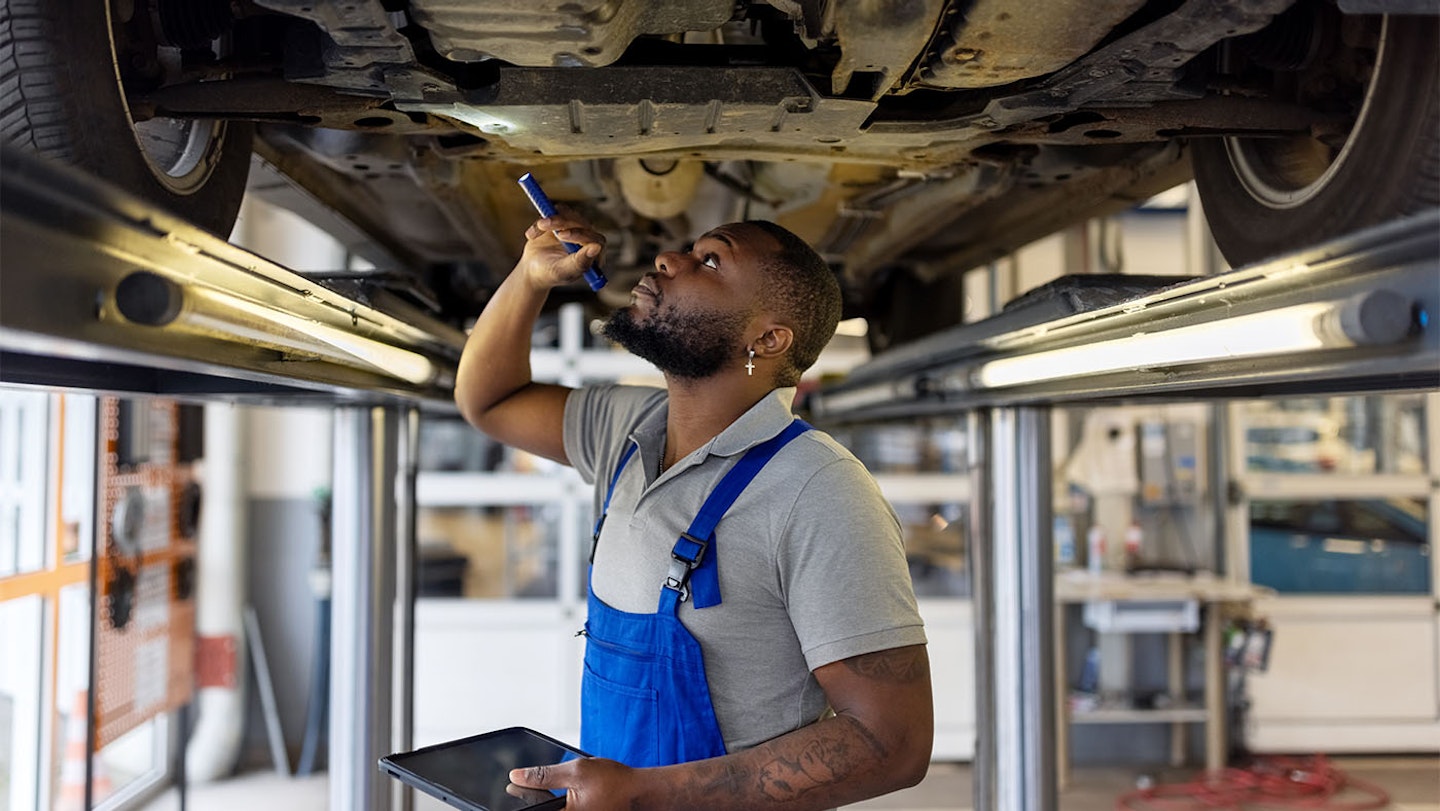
x=215 y=311
x=1276 y=332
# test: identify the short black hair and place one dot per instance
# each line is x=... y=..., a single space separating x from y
x=799 y=284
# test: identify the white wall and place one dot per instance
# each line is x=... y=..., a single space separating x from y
x=291 y=451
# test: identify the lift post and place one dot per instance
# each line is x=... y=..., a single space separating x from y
x=1014 y=610
x=372 y=641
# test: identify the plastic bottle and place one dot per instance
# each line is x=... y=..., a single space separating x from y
x=1133 y=537
x=1090 y=672
x=1064 y=542
x=1095 y=549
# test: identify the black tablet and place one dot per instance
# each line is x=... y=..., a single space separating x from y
x=474 y=773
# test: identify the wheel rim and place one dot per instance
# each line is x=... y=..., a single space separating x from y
x=180 y=152
x=1288 y=172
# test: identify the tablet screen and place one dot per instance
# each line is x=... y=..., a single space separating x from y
x=477 y=770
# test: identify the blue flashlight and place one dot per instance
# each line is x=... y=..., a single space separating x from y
x=593 y=275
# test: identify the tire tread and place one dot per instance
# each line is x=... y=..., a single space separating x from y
x=59 y=98
x=32 y=90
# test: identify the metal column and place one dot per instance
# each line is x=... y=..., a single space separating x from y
x=1014 y=625
x=366 y=522
x=982 y=586
x=407 y=577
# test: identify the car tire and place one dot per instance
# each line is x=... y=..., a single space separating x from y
x=60 y=96
x=1388 y=166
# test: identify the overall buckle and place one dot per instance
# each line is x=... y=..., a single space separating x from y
x=685 y=557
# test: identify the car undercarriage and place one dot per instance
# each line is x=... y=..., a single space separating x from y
x=907 y=141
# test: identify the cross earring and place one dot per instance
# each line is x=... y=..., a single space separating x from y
x=750 y=362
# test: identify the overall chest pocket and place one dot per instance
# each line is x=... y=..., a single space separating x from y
x=619 y=711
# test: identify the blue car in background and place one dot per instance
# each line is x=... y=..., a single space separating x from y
x=1340 y=547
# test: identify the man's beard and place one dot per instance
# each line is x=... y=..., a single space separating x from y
x=693 y=345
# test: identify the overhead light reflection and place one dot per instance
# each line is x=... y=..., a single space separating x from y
x=153 y=300
x=1374 y=317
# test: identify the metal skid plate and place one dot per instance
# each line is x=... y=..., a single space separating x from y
x=563 y=33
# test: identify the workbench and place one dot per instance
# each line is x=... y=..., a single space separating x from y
x=1218 y=599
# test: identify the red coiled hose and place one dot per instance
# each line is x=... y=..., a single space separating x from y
x=1311 y=783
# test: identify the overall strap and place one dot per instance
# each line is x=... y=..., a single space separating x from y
x=605 y=509
x=690 y=568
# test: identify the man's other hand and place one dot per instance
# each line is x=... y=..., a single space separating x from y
x=591 y=784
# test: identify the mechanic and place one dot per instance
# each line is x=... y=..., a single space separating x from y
x=785 y=666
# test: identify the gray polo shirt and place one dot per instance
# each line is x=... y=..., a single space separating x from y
x=811 y=562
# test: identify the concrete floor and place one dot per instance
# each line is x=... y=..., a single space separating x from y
x=1412 y=782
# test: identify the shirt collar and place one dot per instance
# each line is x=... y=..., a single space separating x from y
x=648 y=432
x=764 y=420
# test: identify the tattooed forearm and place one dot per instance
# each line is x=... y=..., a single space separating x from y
x=787 y=777
x=822 y=761
x=721 y=777
x=784 y=769
x=898 y=666
x=878 y=740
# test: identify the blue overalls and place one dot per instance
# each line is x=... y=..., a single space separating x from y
x=644 y=698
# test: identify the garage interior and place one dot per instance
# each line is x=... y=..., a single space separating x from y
x=1172 y=524
x=1269 y=589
